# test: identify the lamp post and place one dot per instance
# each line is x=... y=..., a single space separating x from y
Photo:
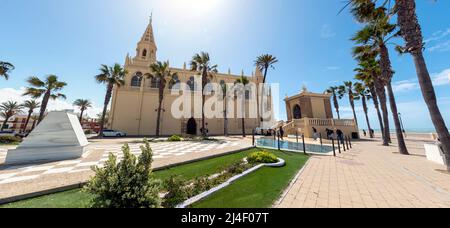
x=401 y=124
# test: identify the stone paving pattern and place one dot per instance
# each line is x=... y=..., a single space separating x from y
x=371 y=176
x=19 y=180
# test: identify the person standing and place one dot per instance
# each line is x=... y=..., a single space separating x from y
x=340 y=136
x=281 y=133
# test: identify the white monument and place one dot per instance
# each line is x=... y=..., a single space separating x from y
x=58 y=137
x=434 y=153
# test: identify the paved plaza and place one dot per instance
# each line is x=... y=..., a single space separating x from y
x=371 y=176
x=18 y=180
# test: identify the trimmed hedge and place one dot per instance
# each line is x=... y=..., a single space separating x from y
x=174 y=138
x=10 y=140
x=262 y=157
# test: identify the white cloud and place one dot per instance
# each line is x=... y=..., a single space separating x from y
x=439 y=79
x=327 y=32
x=405 y=85
x=11 y=94
x=332 y=68
x=438 y=41
x=442 y=78
x=438 y=35
x=443 y=46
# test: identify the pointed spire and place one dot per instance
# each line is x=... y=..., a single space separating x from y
x=148 y=34
x=229 y=71
x=184 y=66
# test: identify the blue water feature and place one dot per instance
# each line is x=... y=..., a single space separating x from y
x=292 y=146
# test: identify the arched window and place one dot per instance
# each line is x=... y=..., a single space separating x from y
x=136 y=80
x=144 y=53
x=209 y=87
x=191 y=84
x=155 y=83
x=175 y=83
x=297 y=112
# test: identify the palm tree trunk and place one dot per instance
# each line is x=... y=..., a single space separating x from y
x=105 y=109
x=398 y=128
x=81 y=116
x=386 y=69
x=225 y=117
x=336 y=105
x=383 y=102
x=411 y=32
x=158 y=118
x=43 y=106
x=34 y=125
x=364 y=102
x=243 y=128
x=204 y=81
x=5 y=122
x=27 y=121
x=352 y=103
x=377 y=107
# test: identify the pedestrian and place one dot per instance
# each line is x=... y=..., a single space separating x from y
x=340 y=136
x=365 y=133
x=281 y=133
x=315 y=134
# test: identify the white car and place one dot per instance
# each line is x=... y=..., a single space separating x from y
x=113 y=133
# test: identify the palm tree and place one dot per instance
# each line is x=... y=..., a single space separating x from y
x=264 y=62
x=347 y=89
x=31 y=105
x=365 y=73
x=241 y=83
x=8 y=110
x=83 y=105
x=202 y=63
x=333 y=91
x=363 y=94
x=5 y=68
x=111 y=76
x=47 y=89
x=162 y=73
x=377 y=33
x=410 y=30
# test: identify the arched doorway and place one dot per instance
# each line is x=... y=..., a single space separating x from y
x=297 y=112
x=191 y=128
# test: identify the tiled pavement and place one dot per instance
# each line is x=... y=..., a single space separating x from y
x=19 y=180
x=370 y=176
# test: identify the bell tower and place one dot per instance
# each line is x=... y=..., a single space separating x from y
x=146 y=48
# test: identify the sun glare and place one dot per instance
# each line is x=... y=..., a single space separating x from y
x=193 y=6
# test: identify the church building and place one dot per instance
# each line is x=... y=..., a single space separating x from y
x=134 y=105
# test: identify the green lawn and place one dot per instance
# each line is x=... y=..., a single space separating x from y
x=79 y=199
x=260 y=189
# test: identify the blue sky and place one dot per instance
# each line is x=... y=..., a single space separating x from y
x=72 y=38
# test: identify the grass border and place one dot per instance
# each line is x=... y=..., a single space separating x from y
x=81 y=184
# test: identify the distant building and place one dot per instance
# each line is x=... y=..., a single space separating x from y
x=91 y=125
x=17 y=123
x=307 y=110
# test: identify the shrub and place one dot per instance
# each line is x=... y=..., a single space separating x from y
x=174 y=138
x=262 y=157
x=6 y=139
x=88 y=132
x=127 y=184
x=176 y=194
